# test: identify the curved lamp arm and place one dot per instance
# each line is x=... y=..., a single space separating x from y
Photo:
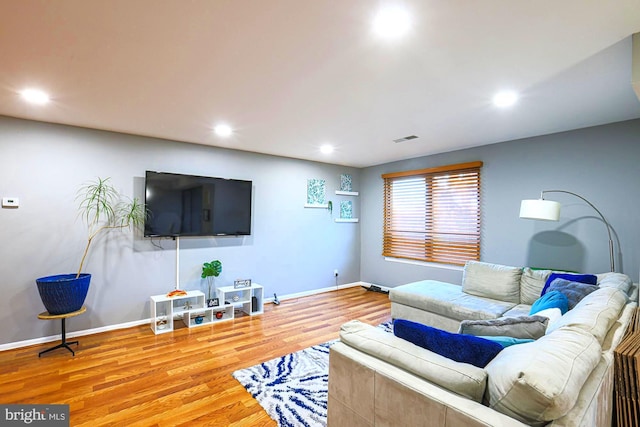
x=595 y=209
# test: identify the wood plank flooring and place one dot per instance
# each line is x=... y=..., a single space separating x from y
x=131 y=377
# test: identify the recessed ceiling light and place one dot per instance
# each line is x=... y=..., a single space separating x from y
x=326 y=149
x=35 y=96
x=223 y=130
x=505 y=99
x=392 y=22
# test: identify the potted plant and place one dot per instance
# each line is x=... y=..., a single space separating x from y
x=102 y=208
x=209 y=271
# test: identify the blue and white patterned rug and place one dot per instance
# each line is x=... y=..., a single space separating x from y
x=293 y=389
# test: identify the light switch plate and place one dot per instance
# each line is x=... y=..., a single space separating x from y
x=10 y=202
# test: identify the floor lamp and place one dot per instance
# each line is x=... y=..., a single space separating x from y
x=548 y=210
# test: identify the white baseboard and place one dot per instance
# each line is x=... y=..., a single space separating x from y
x=314 y=292
x=35 y=341
x=27 y=343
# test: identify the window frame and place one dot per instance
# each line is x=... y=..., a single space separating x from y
x=418 y=232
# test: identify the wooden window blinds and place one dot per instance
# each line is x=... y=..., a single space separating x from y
x=433 y=215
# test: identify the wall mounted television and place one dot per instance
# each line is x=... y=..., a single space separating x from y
x=189 y=205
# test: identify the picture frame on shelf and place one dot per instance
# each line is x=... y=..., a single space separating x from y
x=241 y=283
x=346 y=209
x=213 y=302
x=346 y=182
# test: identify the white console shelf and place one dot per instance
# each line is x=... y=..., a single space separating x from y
x=250 y=299
x=191 y=309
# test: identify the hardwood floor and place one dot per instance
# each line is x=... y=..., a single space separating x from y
x=131 y=377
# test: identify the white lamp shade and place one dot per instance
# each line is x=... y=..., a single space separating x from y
x=546 y=210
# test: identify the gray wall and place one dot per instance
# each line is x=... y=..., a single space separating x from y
x=600 y=163
x=291 y=249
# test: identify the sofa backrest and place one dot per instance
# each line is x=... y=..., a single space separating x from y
x=615 y=280
x=523 y=285
x=532 y=282
x=595 y=313
x=499 y=282
x=540 y=381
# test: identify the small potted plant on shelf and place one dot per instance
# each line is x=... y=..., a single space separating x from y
x=102 y=208
x=210 y=270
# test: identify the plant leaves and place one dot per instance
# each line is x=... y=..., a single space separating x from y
x=213 y=268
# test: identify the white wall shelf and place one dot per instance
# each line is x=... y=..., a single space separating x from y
x=307 y=205
x=347 y=193
x=347 y=220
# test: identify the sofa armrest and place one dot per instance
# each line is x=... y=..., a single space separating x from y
x=462 y=378
x=367 y=391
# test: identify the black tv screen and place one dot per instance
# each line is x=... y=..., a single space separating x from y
x=188 y=205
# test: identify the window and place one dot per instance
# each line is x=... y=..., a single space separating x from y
x=433 y=214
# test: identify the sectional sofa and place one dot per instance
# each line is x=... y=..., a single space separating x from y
x=561 y=377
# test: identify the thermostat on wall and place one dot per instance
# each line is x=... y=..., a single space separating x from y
x=10 y=202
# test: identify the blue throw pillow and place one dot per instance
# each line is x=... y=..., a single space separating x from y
x=552 y=299
x=458 y=347
x=589 y=279
x=507 y=341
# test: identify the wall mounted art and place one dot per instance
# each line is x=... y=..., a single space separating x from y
x=346 y=186
x=345 y=182
x=346 y=210
x=316 y=191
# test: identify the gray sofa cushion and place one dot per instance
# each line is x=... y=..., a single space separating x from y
x=493 y=281
x=517 y=311
x=448 y=300
x=540 y=381
x=532 y=327
x=461 y=378
x=531 y=284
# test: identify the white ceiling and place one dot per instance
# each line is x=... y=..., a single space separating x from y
x=291 y=75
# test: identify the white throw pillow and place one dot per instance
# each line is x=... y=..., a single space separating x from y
x=553 y=314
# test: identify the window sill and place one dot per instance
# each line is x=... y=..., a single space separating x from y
x=425 y=264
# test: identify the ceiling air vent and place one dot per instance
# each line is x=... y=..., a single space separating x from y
x=406 y=138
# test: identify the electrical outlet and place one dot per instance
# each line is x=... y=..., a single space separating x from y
x=335 y=272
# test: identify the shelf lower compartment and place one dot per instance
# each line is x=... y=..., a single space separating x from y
x=227 y=313
x=190 y=318
x=208 y=315
x=162 y=325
